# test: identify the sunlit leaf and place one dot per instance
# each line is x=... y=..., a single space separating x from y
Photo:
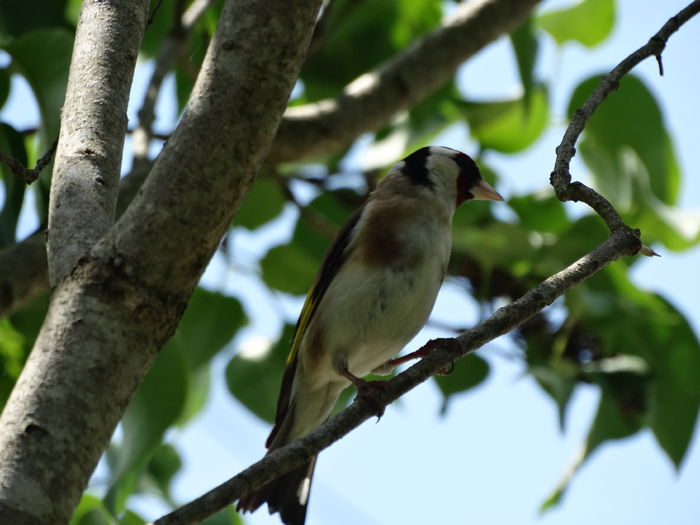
x=264 y=202
x=255 y=380
x=525 y=45
x=227 y=516
x=358 y=37
x=588 y=22
x=91 y=511
x=508 y=126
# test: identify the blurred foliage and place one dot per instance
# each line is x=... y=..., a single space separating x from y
x=635 y=345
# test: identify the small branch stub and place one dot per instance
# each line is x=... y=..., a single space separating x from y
x=29 y=175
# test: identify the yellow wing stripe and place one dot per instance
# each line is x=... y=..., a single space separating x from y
x=302 y=324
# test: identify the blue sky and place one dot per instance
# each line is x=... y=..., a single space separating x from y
x=498 y=452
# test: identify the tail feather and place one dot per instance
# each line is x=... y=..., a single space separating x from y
x=288 y=495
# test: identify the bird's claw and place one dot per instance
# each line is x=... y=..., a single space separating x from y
x=370 y=392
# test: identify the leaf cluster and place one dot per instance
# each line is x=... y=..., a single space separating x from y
x=633 y=344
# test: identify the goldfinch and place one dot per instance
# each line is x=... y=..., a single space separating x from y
x=374 y=291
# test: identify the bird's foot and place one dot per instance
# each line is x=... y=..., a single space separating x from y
x=427 y=349
x=369 y=392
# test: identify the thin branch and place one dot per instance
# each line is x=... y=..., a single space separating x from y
x=171 y=49
x=29 y=175
x=560 y=177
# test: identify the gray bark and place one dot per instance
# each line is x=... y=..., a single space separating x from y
x=85 y=178
x=111 y=314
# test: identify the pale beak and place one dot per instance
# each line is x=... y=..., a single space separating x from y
x=484 y=191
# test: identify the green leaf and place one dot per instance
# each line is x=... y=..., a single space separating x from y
x=675 y=393
x=629 y=119
x=291 y=267
x=619 y=415
x=43 y=58
x=91 y=511
x=255 y=380
x=161 y=25
x=163 y=466
x=226 y=516
x=468 y=373
x=129 y=517
x=541 y=212
x=494 y=244
x=28 y=319
x=613 y=420
x=358 y=37
x=4 y=85
x=12 y=356
x=165 y=396
x=264 y=202
x=588 y=22
x=209 y=323
x=558 y=380
x=525 y=45
x=511 y=125
x=157 y=404
x=11 y=143
x=430 y=116
x=18 y=17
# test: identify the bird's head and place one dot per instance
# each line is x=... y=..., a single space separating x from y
x=451 y=174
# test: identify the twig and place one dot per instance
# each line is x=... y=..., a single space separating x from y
x=170 y=51
x=560 y=177
x=29 y=175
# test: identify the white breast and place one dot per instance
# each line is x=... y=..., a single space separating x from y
x=370 y=313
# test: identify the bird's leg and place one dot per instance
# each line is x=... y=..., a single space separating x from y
x=427 y=349
x=368 y=391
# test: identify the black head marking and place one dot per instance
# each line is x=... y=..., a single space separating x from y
x=469 y=176
x=415 y=167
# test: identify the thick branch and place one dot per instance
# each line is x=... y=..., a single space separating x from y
x=503 y=321
x=374 y=98
x=86 y=173
x=108 y=319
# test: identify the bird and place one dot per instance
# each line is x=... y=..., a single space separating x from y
x=373 y=292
